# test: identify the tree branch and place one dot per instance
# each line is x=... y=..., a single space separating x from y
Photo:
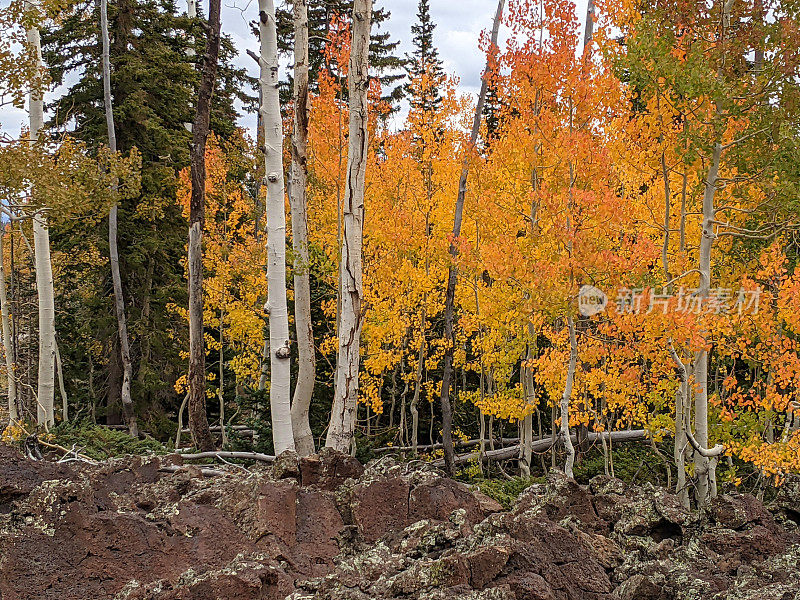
x=708 y=453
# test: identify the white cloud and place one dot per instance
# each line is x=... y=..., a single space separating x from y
x=458 y=27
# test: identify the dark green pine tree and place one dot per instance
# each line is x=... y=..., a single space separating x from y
x=491 y=111
x=383 y=60
x=154 y=84
x=424 y=59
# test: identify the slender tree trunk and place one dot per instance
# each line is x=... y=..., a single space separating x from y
x=61 y=389
x=682 y=225
x=221 y=395
x=43 y=266
x=113 y=251
x=667 y=202
x=450 y=294
x=758 y=18
x=703 y=467
x=180 y=421
x=340 y=431
x=144 y=360
x=573 y=359
x=681 y=422
x=403 y=424
x=198 y=419
x=526 y=426
x=588 y=30
x=418 y=385
x=47 y=322
x=481 y=438
x=306 y=368
x=280 y=365
x=8 y=348
x=394 y=395
x=191 y=12
x=262 y=380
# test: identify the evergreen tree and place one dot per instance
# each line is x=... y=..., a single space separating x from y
x=424 y=60
x=153 y=84
x=383 y=60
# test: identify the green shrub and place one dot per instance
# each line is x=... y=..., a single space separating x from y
x=100 y=443
x=506 y=491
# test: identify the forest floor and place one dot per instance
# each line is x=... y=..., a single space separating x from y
x=326 y=527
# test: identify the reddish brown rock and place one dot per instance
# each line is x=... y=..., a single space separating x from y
x=486 y=564
x=380 y=506
x=439 y=498
x=329 y=469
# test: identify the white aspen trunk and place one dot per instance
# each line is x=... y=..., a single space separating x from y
x=221 y=394
x=61 y=389
x=35 y=98
x=481 y=438
x=703 y=467
x=113 y=250
x=306 y=368
x=343 y=414
x=667 y=201
x=8 y=348
x=403 y=425
x=526 y=437
x=452 y=275
x=47 y=322
x=191 y=12
x=280 y=375
x=573 y=359
x=682 y=408
x=418 y=385
x=44 y=269
x=262 y=379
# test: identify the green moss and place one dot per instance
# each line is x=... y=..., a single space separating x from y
x=633 y=462
x=100 y=442
x=506 y=491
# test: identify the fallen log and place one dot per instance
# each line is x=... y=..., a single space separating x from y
x=541 y=445
x=240 y=429
x=204 y=472
x=222 y=454
x=429 y=447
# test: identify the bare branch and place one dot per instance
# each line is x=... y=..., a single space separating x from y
x=708 y=453
x=225 y=454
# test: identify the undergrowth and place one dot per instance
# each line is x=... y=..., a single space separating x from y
x=99 y=442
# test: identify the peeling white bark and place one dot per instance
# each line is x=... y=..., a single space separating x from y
x=44 y=268
x=573 y=359
x=343 y=415
x=8 y=347
x=280 y=375
x=306 y=367
x=113 y=251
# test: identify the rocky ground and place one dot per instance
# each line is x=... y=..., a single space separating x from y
x=327 y=528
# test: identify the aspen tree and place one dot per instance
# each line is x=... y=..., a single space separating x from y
x=113 y=251
x=450 y=294
x=8 y=347
x=280 y=373
x=306 y=368
x=345 y=403
x=198 y=420
x=44 y=268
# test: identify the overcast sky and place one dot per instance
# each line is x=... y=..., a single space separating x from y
x=458 y=25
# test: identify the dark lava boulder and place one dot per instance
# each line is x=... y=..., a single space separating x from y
x=327 y=528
